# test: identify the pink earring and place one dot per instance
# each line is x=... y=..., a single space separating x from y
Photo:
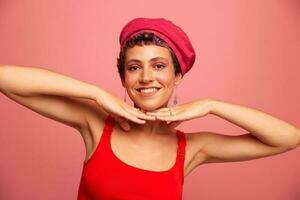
x=175 y=101
x=124 y=95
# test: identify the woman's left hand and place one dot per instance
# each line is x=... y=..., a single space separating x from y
x=179 y=113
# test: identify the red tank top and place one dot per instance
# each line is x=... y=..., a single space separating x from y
x=106 y=177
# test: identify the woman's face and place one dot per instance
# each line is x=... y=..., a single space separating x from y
x=149 y=76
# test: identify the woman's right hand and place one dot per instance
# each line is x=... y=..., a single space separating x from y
x=121 y=111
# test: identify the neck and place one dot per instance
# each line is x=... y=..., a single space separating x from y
x=150 y=128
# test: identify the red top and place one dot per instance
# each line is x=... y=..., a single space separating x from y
x=106 y=177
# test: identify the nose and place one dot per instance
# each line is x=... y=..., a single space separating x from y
x=146 y=76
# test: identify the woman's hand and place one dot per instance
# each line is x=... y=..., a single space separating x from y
x=120 y=110
x=177 y=114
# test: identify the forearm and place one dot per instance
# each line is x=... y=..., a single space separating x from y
x=268 y=129
x=32 y=81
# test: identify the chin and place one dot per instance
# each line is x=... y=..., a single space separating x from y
x=149 y=103
x=150 y=107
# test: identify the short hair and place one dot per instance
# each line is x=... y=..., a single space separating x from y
x=144 y=38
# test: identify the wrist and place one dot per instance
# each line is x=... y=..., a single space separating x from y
x=97 y=93
x=212 y=104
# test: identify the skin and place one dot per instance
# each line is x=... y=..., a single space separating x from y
x=50 y=96
x=147 y=66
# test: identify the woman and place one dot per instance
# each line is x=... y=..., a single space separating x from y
x=145 y=157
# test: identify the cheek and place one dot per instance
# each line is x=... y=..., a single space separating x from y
x=166 y=80
x=129 y=80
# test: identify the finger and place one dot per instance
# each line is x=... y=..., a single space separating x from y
x=177 y=116
x=123 y=123
x=140 y=114
x=134 y=118
x=166 y=118
x=127 y=115
x=164 y=113
x=159 y=113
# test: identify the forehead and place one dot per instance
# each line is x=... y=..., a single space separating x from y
x=147 y=52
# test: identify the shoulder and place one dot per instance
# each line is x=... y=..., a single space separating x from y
x=194 y=139
x=194 y=145
x=193 y=157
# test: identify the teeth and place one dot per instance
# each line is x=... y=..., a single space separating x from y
x=148 y=90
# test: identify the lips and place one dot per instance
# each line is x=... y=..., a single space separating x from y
x=147 y=92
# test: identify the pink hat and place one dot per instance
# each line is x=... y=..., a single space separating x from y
x=173 y=35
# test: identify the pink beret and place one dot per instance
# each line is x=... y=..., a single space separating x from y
x=173 y=35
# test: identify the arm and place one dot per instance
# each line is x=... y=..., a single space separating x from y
x=48 y=93
x=268 y=129
x=53 y=95
x=267 y=136
x=33 y=81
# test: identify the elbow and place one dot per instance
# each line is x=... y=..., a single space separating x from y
x=4 y=77
x=295 y=142
x=3 y=71
x=298 y=137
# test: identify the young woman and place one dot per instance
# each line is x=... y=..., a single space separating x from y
x=145 y=157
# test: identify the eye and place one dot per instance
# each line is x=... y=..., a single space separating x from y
x=160 y=66
x=132 y=68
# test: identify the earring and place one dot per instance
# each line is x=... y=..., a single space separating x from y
x=124 y=95
x=175 y=98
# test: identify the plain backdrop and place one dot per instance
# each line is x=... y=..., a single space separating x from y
x=247 y=53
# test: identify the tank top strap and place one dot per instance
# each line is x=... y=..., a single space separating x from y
x=108 y=125
x=180 y=135
x=181 y=144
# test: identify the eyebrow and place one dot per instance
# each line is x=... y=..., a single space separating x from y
x=151 y=60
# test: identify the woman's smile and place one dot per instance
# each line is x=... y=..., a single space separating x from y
x=148 y=92
x=149 y=76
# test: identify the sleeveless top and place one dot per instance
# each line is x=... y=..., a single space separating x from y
x=106 y=177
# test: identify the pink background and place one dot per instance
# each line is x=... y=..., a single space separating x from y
x=248 y=53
